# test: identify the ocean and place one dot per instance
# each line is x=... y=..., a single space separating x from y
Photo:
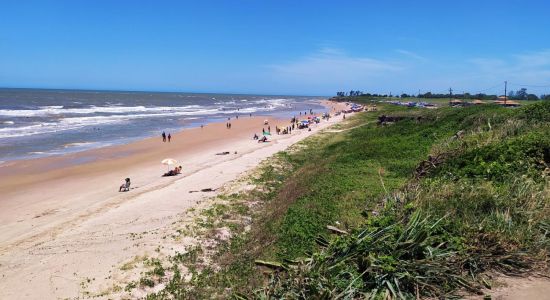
x=37 y=123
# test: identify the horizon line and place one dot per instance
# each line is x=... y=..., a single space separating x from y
x=153 y=91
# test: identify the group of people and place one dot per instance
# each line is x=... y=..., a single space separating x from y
x=287 y=130
x=305 y=112
x=165 y=137
x=294 y=122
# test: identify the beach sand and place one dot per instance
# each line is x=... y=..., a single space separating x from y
x=65 y=228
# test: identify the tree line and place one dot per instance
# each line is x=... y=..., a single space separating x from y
x=521 y=94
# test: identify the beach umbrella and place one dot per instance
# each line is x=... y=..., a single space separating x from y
x=169 y=162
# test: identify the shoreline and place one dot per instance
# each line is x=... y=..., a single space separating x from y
x=46 y=210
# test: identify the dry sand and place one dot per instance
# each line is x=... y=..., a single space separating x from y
x=65 y=229
x=517 y=288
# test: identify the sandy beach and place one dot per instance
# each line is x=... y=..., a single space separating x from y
x=65 y=228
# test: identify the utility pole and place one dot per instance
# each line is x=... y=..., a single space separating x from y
x=450 y=95
x=505 y=95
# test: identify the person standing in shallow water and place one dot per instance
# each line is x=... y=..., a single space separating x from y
x=163 y=136
x=169 y=137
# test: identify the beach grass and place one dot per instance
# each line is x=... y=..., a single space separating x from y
x=432 y=205
x=480 y=209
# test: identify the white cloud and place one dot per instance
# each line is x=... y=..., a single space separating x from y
x=531 y=68
x=332 y=68
x=411 y=54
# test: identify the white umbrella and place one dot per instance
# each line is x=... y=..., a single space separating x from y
x=169 y=162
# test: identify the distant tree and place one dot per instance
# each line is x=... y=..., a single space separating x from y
x=521 y=94
x=511 y=95
x=404 y=95
x=532 y=97
x=545 y=97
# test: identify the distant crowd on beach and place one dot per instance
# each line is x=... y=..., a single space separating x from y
x=295 y=123
x=304 y=120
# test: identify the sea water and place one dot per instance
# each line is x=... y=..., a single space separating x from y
x=37 y=123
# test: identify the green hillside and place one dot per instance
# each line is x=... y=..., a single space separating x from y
x=466 y=195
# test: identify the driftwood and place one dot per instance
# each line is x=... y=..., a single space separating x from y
x=425 y=166
x=383 y=119
x=336 y=230
x=204 y=190
x=270 y=264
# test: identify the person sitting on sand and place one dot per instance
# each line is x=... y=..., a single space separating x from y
x=263 y=139
x=125 y=187
x=176 y=171
x=255 y=136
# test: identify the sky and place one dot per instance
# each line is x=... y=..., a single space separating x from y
x=277 y=47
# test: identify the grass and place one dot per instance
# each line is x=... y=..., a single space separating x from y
x=480 y=207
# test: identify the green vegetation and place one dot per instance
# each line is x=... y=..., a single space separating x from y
x=480 y=207
x=431 y=205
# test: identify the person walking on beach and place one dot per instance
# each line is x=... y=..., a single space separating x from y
x=163 y=136
x=169 y=137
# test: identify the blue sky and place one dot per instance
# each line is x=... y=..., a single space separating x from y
x=276 y=47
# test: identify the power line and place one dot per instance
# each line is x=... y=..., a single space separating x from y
x=491 y=88
x=528 y=85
